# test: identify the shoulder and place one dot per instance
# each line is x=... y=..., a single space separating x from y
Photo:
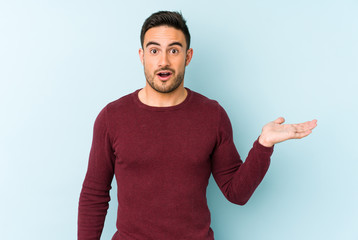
x=203 y=101
x=208 y=108
x=116 y=108
x=121 y=102
x=213 y=112
x=121 y=105
x=207 y=105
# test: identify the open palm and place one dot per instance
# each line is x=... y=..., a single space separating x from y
x=275 y=131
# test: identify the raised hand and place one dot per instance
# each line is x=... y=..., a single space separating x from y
x=275 y=132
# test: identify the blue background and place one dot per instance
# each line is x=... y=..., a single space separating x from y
x=61 y=62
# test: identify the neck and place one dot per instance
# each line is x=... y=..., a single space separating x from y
x=150 y=97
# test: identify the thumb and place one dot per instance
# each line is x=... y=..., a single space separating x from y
x=279 y=120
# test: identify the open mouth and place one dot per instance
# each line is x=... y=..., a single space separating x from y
x=164 y=75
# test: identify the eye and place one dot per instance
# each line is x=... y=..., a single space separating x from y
x=154 y=51
x=174 y=51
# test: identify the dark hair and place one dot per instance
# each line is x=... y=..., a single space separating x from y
x=166 y=18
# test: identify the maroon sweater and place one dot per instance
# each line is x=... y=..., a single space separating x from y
x=162 y=158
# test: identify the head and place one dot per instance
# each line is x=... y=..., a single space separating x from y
x=165 y=51
x=166 y=18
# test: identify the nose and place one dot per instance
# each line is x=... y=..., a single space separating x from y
x=164 y=60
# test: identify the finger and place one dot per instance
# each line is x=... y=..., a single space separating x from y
x=279 y=120
x=309 y=125
x=301 y=127
x=314 y=123
x=299 y=135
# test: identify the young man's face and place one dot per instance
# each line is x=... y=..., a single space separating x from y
x=164 y=57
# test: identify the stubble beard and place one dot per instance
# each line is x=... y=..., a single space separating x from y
x=165 y=87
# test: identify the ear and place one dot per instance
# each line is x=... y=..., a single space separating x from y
x=141 y=55
x=189 y=55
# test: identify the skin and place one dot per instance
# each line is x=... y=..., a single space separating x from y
x=164 y=48
x=275 y=132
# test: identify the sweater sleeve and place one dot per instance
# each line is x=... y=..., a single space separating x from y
x=237 y=180
x=94 y=197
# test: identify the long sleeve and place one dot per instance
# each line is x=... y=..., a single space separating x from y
x=94 y=197
x=237 y=180
x=162 y=158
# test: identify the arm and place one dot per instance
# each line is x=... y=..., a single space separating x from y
x=237 y=180
x=94 y=197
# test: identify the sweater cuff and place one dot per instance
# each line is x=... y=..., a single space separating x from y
x=262 y=148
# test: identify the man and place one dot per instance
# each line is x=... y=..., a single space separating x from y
x=162 y=143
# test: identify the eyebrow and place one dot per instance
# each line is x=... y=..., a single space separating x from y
x=172 y=44
x=152 y=43
x=176 y=43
